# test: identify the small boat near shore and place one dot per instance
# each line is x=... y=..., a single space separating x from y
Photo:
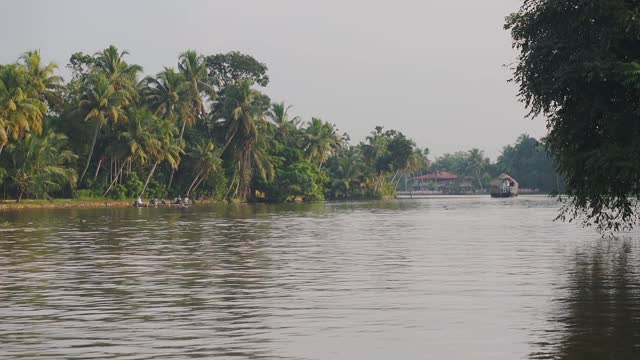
x=166 y=205
x=155 y=203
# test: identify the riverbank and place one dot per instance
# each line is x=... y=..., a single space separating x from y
x=62 y=204
x=8 y=205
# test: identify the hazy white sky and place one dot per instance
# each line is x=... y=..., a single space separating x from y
x=432 y=69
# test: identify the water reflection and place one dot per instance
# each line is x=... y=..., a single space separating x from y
x=459 y=278
x=597 y=313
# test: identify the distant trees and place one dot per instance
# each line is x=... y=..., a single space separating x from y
x=528 y=162
x=230 y=68
x=472 y=164
x=578 y=66
x=374 y=167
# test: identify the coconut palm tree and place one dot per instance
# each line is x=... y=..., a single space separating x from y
x=321 y=139
x=207 y=162
x=244 y=116
x=347 y=167
x=279 y=115
x=168 y=96
x=40 y=164
x=102 y=103
x=194 y=69
x=120 y=75
x=416 y=161
x=140 y=142
x=476 y=163
x=43 y=83
x=20 y=110
x=170 y=150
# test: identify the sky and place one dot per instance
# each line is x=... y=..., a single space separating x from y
x=433 y=69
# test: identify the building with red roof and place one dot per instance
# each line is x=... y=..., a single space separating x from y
x=438 y=175
x=441 y=182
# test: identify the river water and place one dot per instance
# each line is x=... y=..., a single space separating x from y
x=434 y=278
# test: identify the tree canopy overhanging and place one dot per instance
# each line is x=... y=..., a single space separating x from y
x=579 y=67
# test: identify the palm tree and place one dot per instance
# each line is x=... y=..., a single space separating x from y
x=347 y=167
x=120 y=75
x=40 y=164
x=321 y=139
x=208 y=162
x=169 y=151
x=417 y=161
x=101 y=102
x=476 y=163
x=279 y=115
x=243 y=114
x=194 y=69
x=168 y=95
x=20 y=110
x=139 y=142
x=43 y=82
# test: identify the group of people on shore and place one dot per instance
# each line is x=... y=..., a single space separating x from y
x=154 y=202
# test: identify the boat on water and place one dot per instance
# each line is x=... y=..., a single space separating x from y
x=504 y=186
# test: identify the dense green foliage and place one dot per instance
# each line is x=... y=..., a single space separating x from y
x=204 y=130
x=579 y=66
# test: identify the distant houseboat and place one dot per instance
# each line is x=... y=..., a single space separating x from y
x=504 y=186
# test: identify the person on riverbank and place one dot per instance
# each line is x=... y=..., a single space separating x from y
x=139 y=202
x=186 y=202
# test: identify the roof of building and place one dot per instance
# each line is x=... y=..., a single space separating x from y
x=438 y=175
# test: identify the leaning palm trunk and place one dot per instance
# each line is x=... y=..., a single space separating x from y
x=194 y=182
x=393 y=179
x=93 y=145
x=173 y=171
x=228 y=195
x=199 y=182
x=153 y=169
x=397 y=183
x=1 y=148
x=378 y=182
x=97 y=170
x=115 y=179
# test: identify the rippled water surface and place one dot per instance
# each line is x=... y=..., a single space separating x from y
x=435 y=278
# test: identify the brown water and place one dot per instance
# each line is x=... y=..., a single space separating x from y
x=436 y=278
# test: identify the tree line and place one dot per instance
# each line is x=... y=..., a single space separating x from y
x=201 y=129
x=527 y=160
